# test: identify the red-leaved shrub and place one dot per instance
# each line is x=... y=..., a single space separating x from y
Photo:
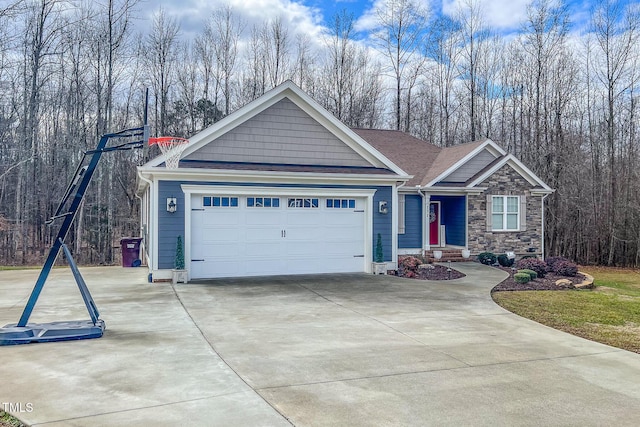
x=553 y=260
x=408 y=266
x=565 y=268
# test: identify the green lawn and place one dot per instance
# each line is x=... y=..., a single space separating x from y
x=609 y=313
x=7 y=420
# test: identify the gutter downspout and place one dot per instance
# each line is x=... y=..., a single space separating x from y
x=394 y=227
x=147 y=245
x=543 y=230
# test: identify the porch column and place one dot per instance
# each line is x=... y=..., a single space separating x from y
x=426 y=202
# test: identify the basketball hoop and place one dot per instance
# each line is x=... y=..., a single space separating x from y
x=172 y=148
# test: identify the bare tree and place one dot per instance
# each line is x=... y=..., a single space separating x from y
x=616 y=33
x=277 y=47
x=304 y=63
x=442 y=48
x=400 y=31
x=161 y=48
x=473 y=33
x=544 y=38
x=228 y=26
x=254 y=79
x=340 y=64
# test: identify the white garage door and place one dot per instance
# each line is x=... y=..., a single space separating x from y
x=268 y=235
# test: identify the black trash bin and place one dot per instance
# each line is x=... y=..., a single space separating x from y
x=130 y=251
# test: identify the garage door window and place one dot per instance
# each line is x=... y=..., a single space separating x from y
x=341 y=203
x=303 y=203
x=263 y=202
x=222 y=202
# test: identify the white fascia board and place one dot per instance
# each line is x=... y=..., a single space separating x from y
x=196 y=174
x=519 y=167
x=451 y=191
x=189 y=189
x=542 y=192
x=488 y=144
x=288 y=90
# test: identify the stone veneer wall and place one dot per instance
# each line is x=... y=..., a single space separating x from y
x=505 y=182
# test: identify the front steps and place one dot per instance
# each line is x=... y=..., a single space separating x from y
x=453 y=255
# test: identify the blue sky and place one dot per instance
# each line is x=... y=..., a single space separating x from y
x=311 y=16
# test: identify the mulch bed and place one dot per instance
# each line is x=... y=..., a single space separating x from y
x=546 y=283
x=438 y=272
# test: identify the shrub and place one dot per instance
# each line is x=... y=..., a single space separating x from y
x=179 y=260
x=487 y=258
x=521 y=278
x=531 y=273
x=408 y=266
x=505 y=261
x=565 y=268
x=534 y=264
x=552 y=261
x=379 y=253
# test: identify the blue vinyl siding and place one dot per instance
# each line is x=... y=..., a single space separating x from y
x=382 y=223
x=454 y=218
x=170 y=225
x=412 y=237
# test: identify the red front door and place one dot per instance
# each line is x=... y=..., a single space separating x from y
x=434 y=224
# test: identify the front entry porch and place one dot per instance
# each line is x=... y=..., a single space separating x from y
x=447 y=222
x=432 y=221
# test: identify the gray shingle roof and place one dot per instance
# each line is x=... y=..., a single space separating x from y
x=419 y=158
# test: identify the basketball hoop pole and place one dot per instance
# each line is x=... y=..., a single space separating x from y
x=22 y=332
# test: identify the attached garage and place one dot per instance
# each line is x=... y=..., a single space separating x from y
x=236 y=232
x=278 y=187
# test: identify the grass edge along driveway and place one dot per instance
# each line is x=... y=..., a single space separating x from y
x=609 y=313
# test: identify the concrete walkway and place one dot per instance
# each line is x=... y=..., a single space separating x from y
x=306 y=350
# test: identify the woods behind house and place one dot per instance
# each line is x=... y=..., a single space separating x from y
x=560 y=95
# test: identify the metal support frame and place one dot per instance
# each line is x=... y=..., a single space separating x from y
x=23 y=332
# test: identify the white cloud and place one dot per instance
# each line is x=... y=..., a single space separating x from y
x=191 y=14
x=499 y=14
x=368 y=20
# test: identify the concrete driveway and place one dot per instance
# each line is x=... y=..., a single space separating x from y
x=306 y=350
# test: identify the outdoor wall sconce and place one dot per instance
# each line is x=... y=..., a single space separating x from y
x=383 y=208
x=172 y=206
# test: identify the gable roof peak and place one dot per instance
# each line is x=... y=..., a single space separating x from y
x=304 y=102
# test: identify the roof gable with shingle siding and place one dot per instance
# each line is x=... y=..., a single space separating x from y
x=471 y=167
x=447 y=160
x=281 y=134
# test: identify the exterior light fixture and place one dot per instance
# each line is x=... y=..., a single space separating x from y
x=172 y=206
x=383 y=208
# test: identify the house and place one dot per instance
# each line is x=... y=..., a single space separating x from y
x=282 y=187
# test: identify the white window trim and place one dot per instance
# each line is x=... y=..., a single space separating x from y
x=504 y=214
